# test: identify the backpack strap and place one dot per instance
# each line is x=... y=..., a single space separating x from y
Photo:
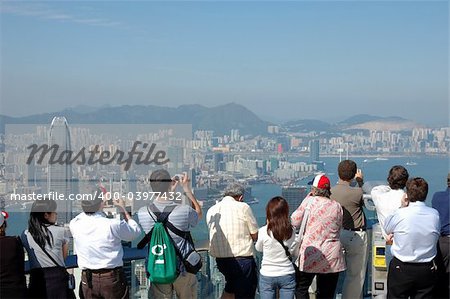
x=164 y=218
x=183 y=234
x=160 y=217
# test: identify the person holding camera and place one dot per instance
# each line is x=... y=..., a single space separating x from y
x=182 y=217
x=387 y=199
x=353 y=235
x=98 y=244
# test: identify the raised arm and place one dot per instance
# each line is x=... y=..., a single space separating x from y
x=127 y=230
x=187 y=190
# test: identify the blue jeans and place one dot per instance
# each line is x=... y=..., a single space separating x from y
x=268 y=286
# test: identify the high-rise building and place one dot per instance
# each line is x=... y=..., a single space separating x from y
x=234 y=136
x=59 y=176
x=314 y=150
x=294 y=196
x=285 y=142
x=176 y=156
x=274 y=164
x=218 y=162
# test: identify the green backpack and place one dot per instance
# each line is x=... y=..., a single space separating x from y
x=162 y=259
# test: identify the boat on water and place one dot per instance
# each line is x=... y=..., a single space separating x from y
x=252 y=201
x=411 y=163
x=381 y=159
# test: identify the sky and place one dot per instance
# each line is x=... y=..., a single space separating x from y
x=283 y=60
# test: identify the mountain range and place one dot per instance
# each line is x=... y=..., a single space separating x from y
x=221 y=119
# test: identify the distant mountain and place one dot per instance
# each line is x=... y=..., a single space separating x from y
x=358 y=119
x=385 y=125
x=307 y=125
x=370 y=122
x=85 y=108
x=357 y=122
x=220 y=119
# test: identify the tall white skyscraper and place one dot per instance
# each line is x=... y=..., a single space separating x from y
x=59 y=178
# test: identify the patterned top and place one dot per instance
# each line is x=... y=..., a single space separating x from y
x=230 y=224
x=321 y=250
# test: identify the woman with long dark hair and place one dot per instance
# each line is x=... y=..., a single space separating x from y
x=274 y=240
x=47 y=247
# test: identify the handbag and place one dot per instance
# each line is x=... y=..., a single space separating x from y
x=299 y=237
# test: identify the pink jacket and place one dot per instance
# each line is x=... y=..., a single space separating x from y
x=321 y=250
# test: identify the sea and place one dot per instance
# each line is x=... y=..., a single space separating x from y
x=433 y=169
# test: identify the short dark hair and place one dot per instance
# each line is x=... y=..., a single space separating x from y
x=92 y=205
x=160 y=180
x=416 y=189
x=398 y=176
x=347 y=170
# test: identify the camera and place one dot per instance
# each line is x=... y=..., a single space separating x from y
x=178 y=177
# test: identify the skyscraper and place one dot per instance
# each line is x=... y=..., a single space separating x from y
x=294 y=196
x=314 y=150
x=176 y=156
x=218 y=162
x=59 y=177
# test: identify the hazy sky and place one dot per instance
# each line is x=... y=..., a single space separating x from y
x=282 y=60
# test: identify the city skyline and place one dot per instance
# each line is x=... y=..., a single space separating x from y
x=284 y=61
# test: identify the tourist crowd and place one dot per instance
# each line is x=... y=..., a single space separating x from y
x=324 y=237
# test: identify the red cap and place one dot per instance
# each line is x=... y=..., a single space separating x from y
x=3 y=216
x=321 y=181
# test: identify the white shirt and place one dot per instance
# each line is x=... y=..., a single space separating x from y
x=230 y=224
x=416 y=231
x=275 y=262
x=386 y=201
x=97 y=240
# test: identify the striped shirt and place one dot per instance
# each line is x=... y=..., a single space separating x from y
x=230 y=224
x=182 y=217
